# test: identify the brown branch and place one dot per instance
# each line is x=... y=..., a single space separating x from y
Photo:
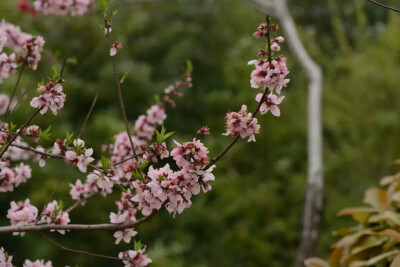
x=88 y=115
x=20 y=130
x=79 y=202
x=14 y=90
x=384 y=6
x=50 y=155
x=120 y=99
x=74 y=227
x=76 y=250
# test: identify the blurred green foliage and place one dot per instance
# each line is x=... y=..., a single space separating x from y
x=253 y=215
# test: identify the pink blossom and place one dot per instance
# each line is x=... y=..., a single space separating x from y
x=22 y=173
x=52 y=97
x=5 y=260
x=270 y=104
x=114 y=48
x=118 y=218
x=156 y=115
x=125 y=235
x=132 y=258
x=22 y=213
x=37 y=263
x=8 y=66
x=81 y=157
x=204 y=130
x=62 y=7
x=262 y=30
x=241 y=124
x=53 y=214
x=270 y=77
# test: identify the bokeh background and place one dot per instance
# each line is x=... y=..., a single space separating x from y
x=253 y=215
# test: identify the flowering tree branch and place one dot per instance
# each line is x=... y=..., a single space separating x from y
x=74 y=227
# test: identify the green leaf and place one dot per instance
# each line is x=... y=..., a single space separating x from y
x=68 y=138
x=55 y=72
x=45 y=134
x=159 y=136
x=72 y=61
x=166 y=136
x=42 y=83
x=105 y=162
x=112 y=14
x=103 y=5
x=143 y=165
x=138 y=176
x=12 y=127
x=189 y=66
x=138 y=245
x=158 y=99
x=126 y=74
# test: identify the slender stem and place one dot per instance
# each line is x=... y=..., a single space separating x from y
x=79 y=202
x=75 y=227
x=20 y=130
x=50 y=155
x=384 y=6
x=14 y=90
x=88 y=115
x=214 y=160
x=120 y=99
x=76 y=250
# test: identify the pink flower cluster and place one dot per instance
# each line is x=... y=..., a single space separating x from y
x=53 y=214
x=81 y=156
x=83 y=191
x=5 y=259
x=28 y=47
x=242 y=124
x=175 y=90
x=52 y=97
x=270 y=76
x=144 y=130
x=8 y=66
x=22 y=213
x=64 y=7
x=10 y=178
x=270 y=103
x=125 y=235
x=37 y=263
x=132 y=258
x=145 y=124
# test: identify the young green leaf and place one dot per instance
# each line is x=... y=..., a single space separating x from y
x=126 y=74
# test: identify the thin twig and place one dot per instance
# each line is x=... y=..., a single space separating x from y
x=120 y=99
x=88 y=115
x=50 y=155
x=20 y=130
x=76 y=250
x=384 y=6
x=79 y=202
x=14 y=91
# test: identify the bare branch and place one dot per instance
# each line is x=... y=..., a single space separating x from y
x=76 y=250
x=384 y=6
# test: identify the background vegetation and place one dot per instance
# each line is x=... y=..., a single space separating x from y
x=253 y=215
